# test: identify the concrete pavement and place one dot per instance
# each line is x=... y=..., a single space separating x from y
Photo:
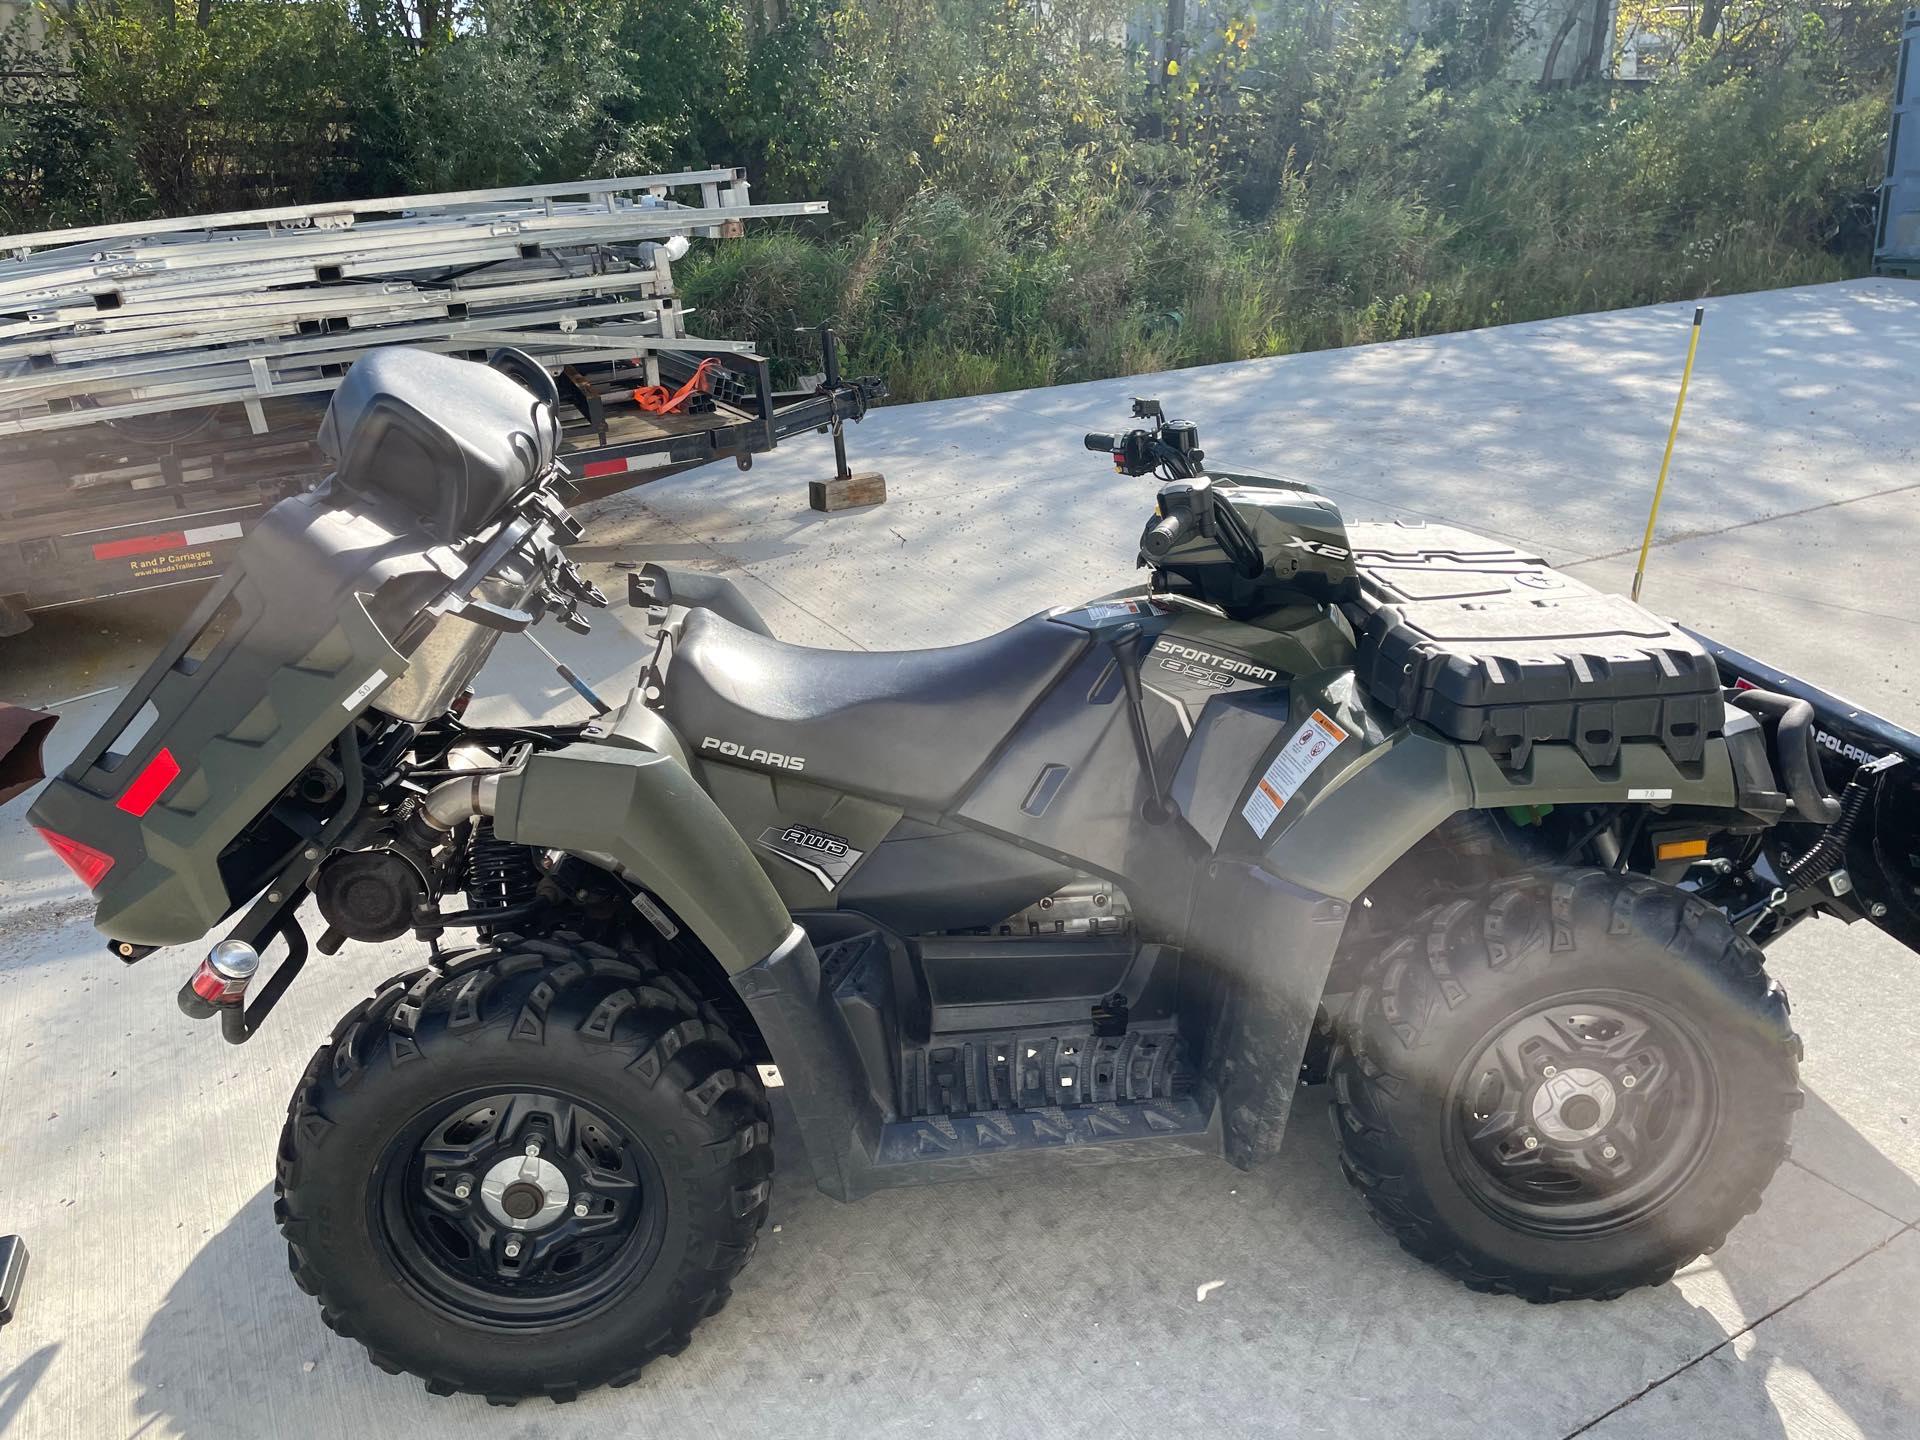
x=136 y=1148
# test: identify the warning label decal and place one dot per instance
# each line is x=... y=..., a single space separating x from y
x=1309 y=748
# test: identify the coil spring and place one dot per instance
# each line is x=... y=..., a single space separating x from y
x=498 y=871
x=1830 y=851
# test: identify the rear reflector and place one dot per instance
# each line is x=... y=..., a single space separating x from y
x=89 y=864
x=164 y=540
x=141 y=545
x=593 y=469
x=1680 y=849
x=154 y=777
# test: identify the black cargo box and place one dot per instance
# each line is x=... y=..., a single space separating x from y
x=1489 y=645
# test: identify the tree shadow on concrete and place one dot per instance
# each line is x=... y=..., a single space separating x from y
x=17 y=1385
x=889 y=1316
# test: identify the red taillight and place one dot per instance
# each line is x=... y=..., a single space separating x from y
x=154 y=777
x=89 y=864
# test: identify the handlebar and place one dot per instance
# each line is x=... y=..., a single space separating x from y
x=1167 y=532
x=1172 y=449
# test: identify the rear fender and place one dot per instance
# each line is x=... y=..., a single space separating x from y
x=643 y=810
x=657 y=587
x=640 y=811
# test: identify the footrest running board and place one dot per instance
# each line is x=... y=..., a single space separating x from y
x=966 y=1137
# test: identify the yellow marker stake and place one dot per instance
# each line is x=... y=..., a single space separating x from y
x=1646 y=543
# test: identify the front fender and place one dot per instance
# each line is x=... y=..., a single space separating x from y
x=646 y=812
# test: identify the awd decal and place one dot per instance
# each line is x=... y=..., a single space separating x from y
x=827 y=857
x=733 y=750
x=1210 y=667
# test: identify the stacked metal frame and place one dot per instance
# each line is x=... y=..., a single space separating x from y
x=116 y=322
x=161 y=381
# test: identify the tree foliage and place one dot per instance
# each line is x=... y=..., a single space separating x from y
x=1023 y=190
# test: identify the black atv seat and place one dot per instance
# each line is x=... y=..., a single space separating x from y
x=911 y=726
x=448 y=441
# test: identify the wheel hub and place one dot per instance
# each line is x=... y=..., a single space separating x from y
x=1582 y=1114
x=525 y=1192
x=1573 y=1105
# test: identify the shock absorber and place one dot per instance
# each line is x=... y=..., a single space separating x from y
x=498 y=871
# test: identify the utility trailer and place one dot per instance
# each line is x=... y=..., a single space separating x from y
x=161 y=382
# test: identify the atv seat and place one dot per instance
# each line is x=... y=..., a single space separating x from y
x=443 y=439
x=911 y=726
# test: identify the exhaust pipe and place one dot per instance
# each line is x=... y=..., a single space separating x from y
x=446 y=805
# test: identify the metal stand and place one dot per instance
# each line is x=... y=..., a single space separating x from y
x=846 y=491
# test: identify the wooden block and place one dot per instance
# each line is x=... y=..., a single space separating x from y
x=868 y=488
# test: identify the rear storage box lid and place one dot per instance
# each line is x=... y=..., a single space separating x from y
x=1488 y=644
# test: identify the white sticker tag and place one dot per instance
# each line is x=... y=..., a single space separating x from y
x=1311 y=746
x=365 y=688
x=1122 y=607
x=1649 y=794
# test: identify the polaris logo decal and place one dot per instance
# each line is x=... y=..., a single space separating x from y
x=733 y=750
x=828 y=858
x=1214 y=662
x=1842 y=748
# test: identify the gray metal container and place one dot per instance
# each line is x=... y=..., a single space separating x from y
x=1896 y=237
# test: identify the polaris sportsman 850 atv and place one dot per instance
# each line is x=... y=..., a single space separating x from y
x=1392 y=806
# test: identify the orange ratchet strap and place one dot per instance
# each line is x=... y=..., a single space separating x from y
x=658 y=400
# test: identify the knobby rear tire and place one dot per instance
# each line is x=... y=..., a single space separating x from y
x=555 y=1013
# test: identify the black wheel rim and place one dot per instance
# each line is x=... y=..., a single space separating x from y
x=518 y=1209
x=1582 y=1115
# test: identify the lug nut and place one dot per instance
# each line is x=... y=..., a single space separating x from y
x=533 y=1147
x=513 y=1249
x=581 y=1209
x=1532 y=1142
x=1627 y=1082
x=1608 y=1152
x=1549 y=1070
x=462 y=1190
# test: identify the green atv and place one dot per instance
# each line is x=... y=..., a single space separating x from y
x=1390 y=806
